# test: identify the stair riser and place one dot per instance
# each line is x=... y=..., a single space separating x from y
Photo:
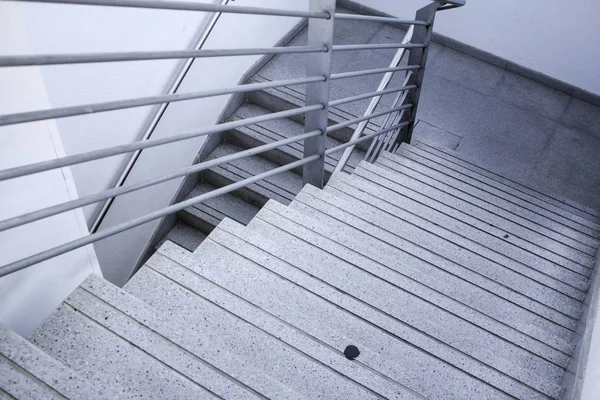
x=276 y=104
x=245 y=194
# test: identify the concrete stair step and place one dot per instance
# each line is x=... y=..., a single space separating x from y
x=220 y=368
x=568 y=205
x=26 y=372
x=271 y=131
x=450 y=279
x=480 y=230
x=558 y=224
x=531 y=203
x=184 y=235
x=577 y=250
x=396 y=311
x=336 y=318
x=210 y=295
x=417 y=277
x=379 y=199
x=205 y=216
x=287 y=98
x=282 y=187
x=109 y=337
x=480 y=214
x=323 y=201
x=525 y=294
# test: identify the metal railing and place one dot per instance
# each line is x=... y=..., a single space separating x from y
x=397 y=126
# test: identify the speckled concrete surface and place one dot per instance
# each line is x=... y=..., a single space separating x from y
x=486 y=215
x=465 y=192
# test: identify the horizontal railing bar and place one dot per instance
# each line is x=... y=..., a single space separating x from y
x=190 y=6
x=344 y=124
x=352 y=74
x=364 y=138
x=130 y=147
x=334 y=103
x=71 y=111
x=119 y=191
x=57 y=59
x=347 y=47
x=84 y=241
x=391 y=20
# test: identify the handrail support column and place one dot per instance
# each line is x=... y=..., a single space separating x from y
x=320 y=33
x=418 y=56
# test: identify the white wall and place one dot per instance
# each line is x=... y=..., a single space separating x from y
x=56 y=28
x=556 y=37
x=30 y=295
x=118 y=255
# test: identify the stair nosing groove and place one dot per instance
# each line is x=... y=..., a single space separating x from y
x=576 y=206
x=472 y=241
x=284 y=343
x=374 y=325
x=477 y=273
x=8 y=395
x=154 y=332
x=295 y=146
x=72 y=309
x=260 y=183
x=437 y=306
x=419 y=331
x=503 y=190
x=576 y=232
x=556 y=338
x=492 y=212
x=32 y=377
x=485 y=222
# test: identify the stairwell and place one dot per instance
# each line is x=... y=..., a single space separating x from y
x=451 y=281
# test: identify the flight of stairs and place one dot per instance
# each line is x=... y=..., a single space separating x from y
x=452 y=282
x=198 y=221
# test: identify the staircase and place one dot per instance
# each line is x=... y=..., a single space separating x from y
x=452 y=282
x=198 y=221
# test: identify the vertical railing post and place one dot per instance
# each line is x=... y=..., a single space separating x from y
x=418 y=56
x=320 y=33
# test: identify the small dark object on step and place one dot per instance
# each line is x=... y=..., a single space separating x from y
x=505 y=236
x=351 y=352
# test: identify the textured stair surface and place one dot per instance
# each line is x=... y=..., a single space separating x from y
x=451 y=282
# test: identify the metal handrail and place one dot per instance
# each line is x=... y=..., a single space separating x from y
x=398 y=118
x=189 y=6
x=375 y=101
x=57 y=59
x=61 y=112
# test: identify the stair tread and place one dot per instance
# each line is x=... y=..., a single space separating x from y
x=314 y=309
x=551 y=247
x=28 y=372
x=580 y=251
x=281 y=187
x=452 y=231
x=271 y=131
x=256 y=336
x=214 y=210
x=533 y=245
x=284 y=98
x=222 y=370
x=413 y=317
x=112 y=350
x=462 y=182
x=184 y=235
x=459 y=297
x=531 y=203
x=568 y=205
